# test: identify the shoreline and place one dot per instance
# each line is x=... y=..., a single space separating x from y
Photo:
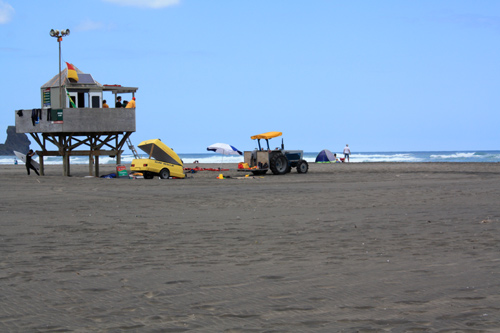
x=488 y=156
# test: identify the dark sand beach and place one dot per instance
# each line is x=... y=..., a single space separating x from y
x=367 y=247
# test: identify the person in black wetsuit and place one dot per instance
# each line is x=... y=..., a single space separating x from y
x=29 y=166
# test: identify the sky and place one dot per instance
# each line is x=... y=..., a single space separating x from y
x=381 y=76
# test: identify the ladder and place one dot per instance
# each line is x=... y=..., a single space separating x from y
x=132 y=148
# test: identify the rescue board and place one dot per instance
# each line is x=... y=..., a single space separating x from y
x=22 y=157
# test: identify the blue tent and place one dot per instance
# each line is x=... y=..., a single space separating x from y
x=325 y=156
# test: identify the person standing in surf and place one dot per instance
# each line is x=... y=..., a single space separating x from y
x=29 y=166
x=347 y=152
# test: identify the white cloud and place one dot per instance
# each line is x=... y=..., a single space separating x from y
x=146 y=3
x=6 y=12
x=88 y=25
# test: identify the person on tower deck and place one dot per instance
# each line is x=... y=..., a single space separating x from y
x=131 y=104
x=118 y=103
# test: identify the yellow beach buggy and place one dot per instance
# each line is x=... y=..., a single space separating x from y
x=162 y=161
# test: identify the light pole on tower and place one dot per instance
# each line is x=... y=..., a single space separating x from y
x=59 y=35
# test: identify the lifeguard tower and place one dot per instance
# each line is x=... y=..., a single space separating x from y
x=73 y=119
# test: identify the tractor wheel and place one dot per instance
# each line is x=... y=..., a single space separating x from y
x=148 y=175
x=164 y=173
x=278 y=164
x=302 y=166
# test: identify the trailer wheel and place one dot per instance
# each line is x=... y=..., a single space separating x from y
x=278 y=164
x=164 y=173
x=302 y=166
x=259 y=172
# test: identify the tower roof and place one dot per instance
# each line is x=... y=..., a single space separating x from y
x=84 y=80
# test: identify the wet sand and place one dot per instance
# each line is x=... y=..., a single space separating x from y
x=368 y=247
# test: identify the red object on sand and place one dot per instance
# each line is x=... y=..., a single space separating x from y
x=205 y=169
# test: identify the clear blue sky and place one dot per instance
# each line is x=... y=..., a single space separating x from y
x=378 y=75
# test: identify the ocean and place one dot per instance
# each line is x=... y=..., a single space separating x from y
x=410 y=156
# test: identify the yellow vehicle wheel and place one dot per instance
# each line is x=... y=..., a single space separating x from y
x=164 y=173
x=148 y=175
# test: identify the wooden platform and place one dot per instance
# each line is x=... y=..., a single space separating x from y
x=92 y=132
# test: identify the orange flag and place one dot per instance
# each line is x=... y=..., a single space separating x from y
x=72 y=74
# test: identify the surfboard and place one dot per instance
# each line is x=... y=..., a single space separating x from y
x=22 y=157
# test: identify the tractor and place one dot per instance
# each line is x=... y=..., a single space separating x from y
x=280 y=161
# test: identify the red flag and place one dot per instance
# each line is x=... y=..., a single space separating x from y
x=72 y=74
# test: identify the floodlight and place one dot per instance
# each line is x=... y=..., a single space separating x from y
x=59 y=35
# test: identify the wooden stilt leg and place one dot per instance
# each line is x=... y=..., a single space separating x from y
x=42 y=168
x=91 y=166
x=97 y=166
